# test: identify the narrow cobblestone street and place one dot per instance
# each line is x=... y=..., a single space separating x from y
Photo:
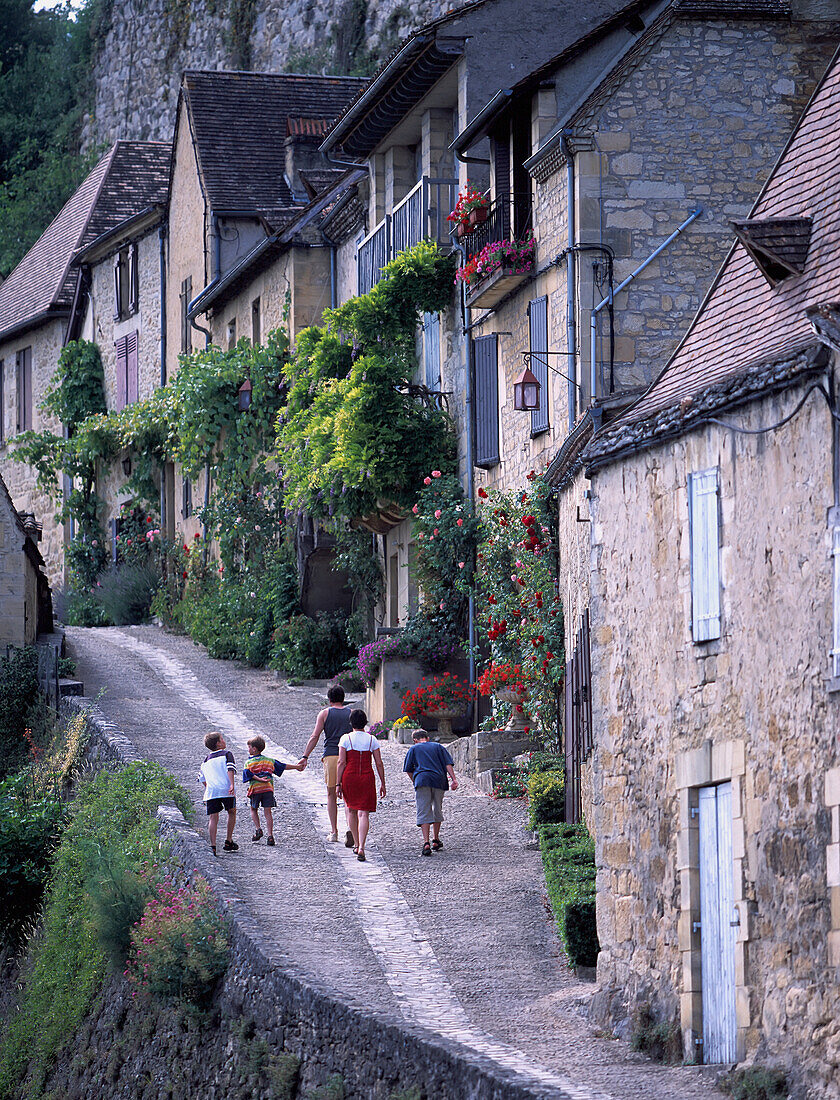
x=461 y=944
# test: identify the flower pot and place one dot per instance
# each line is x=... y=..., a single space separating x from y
x=477 y=216
x=444 y=720
x=518 y=721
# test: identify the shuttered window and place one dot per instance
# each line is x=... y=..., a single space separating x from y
x=186 y=498
x=186 y=331
x=703 y=518
x=256 y=323
x=128 y=370
x=835 y=652
x=538 y=327
x=119 y=271
x=431 y=350
x=23 y=363
x=486 y=366
x=133 y=288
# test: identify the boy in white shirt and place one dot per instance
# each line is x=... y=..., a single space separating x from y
x=217 y=774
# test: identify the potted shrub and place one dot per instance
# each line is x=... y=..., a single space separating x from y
x=507 y=683
x=442 y=698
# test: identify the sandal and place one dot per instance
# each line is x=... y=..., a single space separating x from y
x=427 y=850
x=437 y=845
x=361 y=857
x=258 y=835
x=349 y=842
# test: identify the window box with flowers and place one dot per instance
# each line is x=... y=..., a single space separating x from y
x=471 y=210
x=497 y=270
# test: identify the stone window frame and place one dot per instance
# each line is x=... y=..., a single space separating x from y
x=832 y=863
x=710 y=765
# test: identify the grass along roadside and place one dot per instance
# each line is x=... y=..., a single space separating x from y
x=110 y=835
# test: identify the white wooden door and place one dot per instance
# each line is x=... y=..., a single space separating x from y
x=717 y=924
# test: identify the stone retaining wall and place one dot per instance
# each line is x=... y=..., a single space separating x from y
x=377 y=1057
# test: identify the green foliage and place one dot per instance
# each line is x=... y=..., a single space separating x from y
x=77 y=390
x=518 y=610
x=546 y=798
x=307 y=649
x=756 y=1083
x=113 y=812
x=180 y=947
x=20 y=703
x=658 y=1039
x=568 y=854
x=126 y=591
x=31 y=814
x=332 y=1090
x=510 y=781
x=355 y=554
x=353 y=435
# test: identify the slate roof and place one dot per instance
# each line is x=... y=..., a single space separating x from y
x=744 y=325
x=778 y=245
x=317 y=180
x=239 y=124
x=132 y=176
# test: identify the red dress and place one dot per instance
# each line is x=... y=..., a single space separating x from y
x=358 y=783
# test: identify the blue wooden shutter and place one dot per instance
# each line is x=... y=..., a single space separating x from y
x=485 y=359
x=122 y=362
x=835 y=652
x=538 y=324
x=132 y=368
x=431 y=349
x=705 y=554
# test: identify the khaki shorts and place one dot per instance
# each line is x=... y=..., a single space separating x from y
x=429 y=802
x=331 y=771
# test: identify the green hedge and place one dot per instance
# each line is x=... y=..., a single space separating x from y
x=546 y=798
x=568 y=854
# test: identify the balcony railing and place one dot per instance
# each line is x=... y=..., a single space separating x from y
x=420 y=216
x=509 y=219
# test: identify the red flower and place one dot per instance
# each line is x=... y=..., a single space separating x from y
x=482 y=494
x=184 y=575
x=196 y=536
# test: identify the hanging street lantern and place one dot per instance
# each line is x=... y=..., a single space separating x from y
x=245 y=395
x=526 y=392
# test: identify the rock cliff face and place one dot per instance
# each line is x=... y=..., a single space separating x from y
x=144 y=46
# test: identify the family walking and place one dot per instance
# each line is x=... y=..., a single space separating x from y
x=349 y=757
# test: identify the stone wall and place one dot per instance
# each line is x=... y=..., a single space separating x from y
x=376 y=1056
x=146 y=44
x=46 y=342
x=752 y=708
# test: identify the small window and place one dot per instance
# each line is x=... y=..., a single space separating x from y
x=126 y=290
x=186 y=498
x=704 y=533
x=186 y=327
x=538 y=329
x=231 y=334
x=394 y=590
x=256 y=334
x=23 y=363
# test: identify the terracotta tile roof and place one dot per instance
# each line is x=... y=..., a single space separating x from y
x=130 y=177
x=744 y=324
x=239 y=123
x=307 y=127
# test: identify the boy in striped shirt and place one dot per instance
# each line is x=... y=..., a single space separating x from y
x=259 y=774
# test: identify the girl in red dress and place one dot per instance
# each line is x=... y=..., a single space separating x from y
x=357 y=752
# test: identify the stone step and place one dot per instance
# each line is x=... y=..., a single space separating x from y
x=70 y=687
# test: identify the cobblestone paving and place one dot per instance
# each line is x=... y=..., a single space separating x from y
x=460 y=943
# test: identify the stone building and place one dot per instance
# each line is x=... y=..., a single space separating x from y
x=245 y=146
x=25 y=599
x=403 y=125
x=37 y=301
x=655 y=128
x=715 y=504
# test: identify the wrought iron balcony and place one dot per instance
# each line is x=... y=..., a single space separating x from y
x=509 y=218
x=420 y=216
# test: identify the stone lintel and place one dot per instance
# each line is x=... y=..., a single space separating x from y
x=832 y=787
x=832 y=864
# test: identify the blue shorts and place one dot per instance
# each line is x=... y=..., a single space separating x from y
x=263 y=798
x=216 y=805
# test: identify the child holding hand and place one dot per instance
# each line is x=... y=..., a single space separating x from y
x=259 y=774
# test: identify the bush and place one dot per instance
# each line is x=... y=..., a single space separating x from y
x=659 y=1040
x=21 y=705
x=756 y=1083
x=510 y=781
x=307 y=649
x=30 y=823
x=82 y=608
x=180 y=948
x=568 y=854
x=546 y=798
x=115 y=811
x=125 y=593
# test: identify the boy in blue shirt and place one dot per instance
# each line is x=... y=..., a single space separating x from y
x=429 y=767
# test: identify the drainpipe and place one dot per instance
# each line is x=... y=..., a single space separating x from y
x=162 y=253
x=331 y=245
x=465 y=327
x=593 y=315
x=571 y=274
x=217 y=247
